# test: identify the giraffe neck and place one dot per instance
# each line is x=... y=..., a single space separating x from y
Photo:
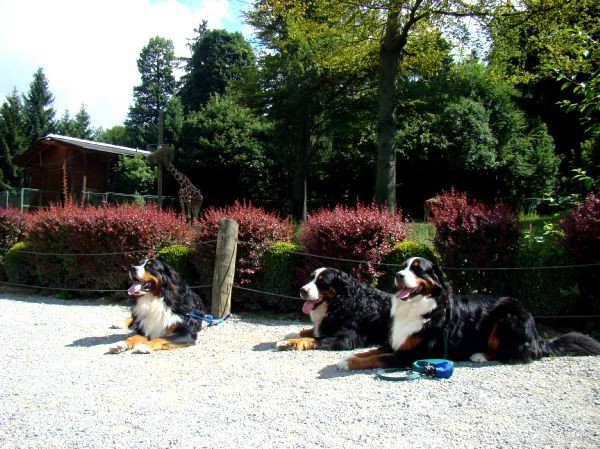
x=180 y=177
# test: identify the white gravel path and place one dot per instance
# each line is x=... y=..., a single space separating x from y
x=59 y=388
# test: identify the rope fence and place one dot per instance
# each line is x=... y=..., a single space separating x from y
x=300 y=253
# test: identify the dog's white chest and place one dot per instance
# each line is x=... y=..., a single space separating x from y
x=407 y=318
x=316 y=316
x=154 y=317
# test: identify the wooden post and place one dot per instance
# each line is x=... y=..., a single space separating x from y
x=224 y=267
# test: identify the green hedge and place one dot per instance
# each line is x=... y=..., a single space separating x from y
x=177 y=256
x=18 y=266
x=277 y=276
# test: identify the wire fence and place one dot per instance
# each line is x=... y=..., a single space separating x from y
x=29 y=199
x=150 y=251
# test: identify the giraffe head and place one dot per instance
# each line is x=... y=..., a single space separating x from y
x=163 y=155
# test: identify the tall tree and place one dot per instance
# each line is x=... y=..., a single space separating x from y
x=13 y=138
x=156 y=65
x=227 y=141
x=299 y=92
x=354 y=29
x=553 y=39
x=218 y=57
x=82 y=124
x=38 y=108
x=64 y=125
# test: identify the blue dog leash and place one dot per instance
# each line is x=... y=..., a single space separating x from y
x=432 y=368
x=209 y=319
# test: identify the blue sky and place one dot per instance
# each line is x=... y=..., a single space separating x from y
x=88 y=48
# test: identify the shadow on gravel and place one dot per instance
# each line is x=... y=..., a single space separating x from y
x=332 y=372
x=96 y=341
x=267 y=346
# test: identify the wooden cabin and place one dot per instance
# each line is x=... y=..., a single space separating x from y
x=86 y=164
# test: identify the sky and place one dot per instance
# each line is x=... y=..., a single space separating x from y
x=88 y=48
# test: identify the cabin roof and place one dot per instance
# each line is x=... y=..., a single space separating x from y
x=53 y=139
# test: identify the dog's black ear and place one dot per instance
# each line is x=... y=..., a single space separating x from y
x=170 y=281
x=341 y=281
x=438 y=276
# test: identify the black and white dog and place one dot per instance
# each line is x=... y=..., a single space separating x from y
x=166 y=313
x=429 y=320
x=345 y=313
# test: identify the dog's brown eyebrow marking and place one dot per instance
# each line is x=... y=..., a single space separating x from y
x=416 y=263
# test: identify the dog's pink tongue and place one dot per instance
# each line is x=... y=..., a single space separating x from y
x=404 y=293
x=135 y=288
x=307 y=307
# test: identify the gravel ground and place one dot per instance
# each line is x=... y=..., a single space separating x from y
x=59 y=388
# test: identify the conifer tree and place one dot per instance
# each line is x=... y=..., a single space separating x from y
x=13 y=139
x=39 y=108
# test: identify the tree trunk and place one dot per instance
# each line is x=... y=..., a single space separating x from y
x=385 y=179
x=299 y=200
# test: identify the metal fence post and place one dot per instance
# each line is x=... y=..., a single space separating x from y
x=224 y=267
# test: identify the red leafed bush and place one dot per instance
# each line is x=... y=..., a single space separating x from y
x=469 y=233
x=582 y=230
x=12 y=229
x=258 y=230
x=582 y=240
x=73 y=230
x=366 y=233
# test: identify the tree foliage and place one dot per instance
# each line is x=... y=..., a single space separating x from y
x=224 y=150
x=13 y=139
x=156 y=64
x=133 y=175
x=218 y=58
x=39 y=108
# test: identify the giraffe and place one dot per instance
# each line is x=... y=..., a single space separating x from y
x=189 y=195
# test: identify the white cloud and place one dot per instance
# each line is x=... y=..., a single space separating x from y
x=89 y=48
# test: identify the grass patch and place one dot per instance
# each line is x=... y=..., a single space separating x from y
x=421 y=232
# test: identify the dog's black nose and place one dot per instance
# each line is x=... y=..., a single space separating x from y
x=303 y=292
x=399 y=278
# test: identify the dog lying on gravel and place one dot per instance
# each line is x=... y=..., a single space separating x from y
x=166 y=313
x=345 y=313
x=429 y=320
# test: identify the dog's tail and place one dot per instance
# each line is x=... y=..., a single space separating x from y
x=572 y=343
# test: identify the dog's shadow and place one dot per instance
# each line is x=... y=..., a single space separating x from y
x=333 y=372
x=266 y=346
x=88 y=342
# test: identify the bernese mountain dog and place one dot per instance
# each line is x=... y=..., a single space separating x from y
x=166 y=313
x=345 y=313
x=428 y=320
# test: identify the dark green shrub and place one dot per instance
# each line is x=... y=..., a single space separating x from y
x=278 y=276
x=549 y=291
x=400 y=252
x=18 y=265
x=177 y=257
x=12 y=230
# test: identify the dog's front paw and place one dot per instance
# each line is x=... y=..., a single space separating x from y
x=299 y=344
x=142 y=349
x=283 y=345
x=118 y=347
